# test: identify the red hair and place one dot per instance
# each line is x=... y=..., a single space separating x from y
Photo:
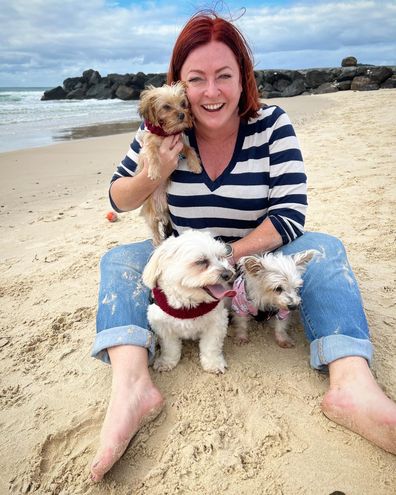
x=204 y=27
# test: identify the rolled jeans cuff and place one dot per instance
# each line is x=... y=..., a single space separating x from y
x=327 y=349
x=125 y=335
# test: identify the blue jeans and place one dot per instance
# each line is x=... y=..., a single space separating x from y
x=331 y=308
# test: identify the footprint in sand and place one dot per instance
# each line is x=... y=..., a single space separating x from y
x=60 y=464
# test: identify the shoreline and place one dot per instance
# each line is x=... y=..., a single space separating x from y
x=291 y=105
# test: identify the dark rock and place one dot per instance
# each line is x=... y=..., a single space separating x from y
x=379 y=74
x=271 y=94
x=119 y=78
x=270 y=83
x=139 y=80
x=363 y=83
x=325 y=88
x=76 y=94
x=70 y=83
x=81 y=85
x=297 y=87
x=57 y=93
x=347 y=74
x=91 y=77
x=156 y=80
x=315 y=77
x=349 y=62
x=336 y=72
x=127 y=93
x=292 y=75
x=99 y=91
x=271 y=76
x=344 y=85
x=281 y=84
x=264 y=89
x=389 y=83
x=258 y=75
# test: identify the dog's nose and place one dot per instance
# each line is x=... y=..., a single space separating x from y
x=181 y=116
x=292 y=307
x=227 y=275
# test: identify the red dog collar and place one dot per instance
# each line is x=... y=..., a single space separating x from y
x=157 y=130
x=183 y=313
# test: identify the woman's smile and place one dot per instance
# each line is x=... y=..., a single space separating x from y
x=213 y=107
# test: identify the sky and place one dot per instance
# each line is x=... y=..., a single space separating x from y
x=42 y=42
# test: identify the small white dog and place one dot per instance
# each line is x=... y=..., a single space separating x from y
x=189 y=276
x=271 y=284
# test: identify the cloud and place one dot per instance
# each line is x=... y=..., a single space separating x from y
x=45 y=41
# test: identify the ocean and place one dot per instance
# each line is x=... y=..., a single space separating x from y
x=28 y=122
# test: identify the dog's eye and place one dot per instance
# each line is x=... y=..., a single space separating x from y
x=278 y=290
x=166 y=108
x=183 y=104
x=203 y=262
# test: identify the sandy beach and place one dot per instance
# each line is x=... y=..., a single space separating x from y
x=258 y=428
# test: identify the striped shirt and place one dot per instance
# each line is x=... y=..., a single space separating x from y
x=264 y=179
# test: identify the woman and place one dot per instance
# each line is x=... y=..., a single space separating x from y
x=247 y=153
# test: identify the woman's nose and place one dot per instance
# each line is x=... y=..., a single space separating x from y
x=212 y=89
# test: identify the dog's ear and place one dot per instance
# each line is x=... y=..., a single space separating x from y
x=303 y=258
x=183 y=84
x=251 y=265
x=152 y=270
x=148 y=98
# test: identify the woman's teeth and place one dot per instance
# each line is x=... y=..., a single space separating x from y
x=213 y=108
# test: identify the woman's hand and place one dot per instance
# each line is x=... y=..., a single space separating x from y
x=168 y=152
x=128 y=193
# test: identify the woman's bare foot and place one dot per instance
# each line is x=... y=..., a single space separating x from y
x=356 y=401
x=134 y=402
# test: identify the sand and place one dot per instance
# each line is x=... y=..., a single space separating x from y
x=257 y=429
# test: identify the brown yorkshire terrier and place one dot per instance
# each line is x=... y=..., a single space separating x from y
x=166 y=112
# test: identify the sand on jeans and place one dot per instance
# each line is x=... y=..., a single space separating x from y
x=258 y=428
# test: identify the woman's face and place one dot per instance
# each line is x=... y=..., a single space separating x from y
x=214 y=85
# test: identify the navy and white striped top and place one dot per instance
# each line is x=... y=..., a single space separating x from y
x=265 y=178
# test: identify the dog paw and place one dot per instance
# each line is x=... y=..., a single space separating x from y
x=153 y=175
x=214 y=366
x=196 y=167
x=160 y=365
x=285 y=343
x=241 y=339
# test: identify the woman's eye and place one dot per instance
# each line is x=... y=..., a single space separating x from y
x=225 y=76
x=194 y=80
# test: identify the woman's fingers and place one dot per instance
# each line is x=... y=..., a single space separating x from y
x=169 y=151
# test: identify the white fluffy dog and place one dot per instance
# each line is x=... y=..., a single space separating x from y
x=189 y=276
x=271 y=284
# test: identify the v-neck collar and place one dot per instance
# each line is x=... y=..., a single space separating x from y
x=215 y=184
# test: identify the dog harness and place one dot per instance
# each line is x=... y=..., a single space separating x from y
x=242 y=305
x=240 y=302
x=157 y=130
x=182 y=313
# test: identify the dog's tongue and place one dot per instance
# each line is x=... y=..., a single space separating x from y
x=283 y=314
x=219 y=292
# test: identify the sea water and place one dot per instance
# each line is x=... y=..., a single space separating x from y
x=26 y=121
